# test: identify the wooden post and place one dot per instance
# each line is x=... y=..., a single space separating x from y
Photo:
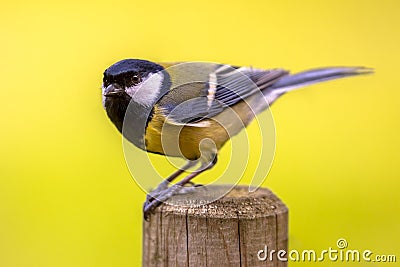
x=228 y=232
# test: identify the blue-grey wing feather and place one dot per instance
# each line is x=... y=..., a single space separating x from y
x=226 y=86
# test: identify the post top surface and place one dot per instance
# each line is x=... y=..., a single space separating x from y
x=235 y=202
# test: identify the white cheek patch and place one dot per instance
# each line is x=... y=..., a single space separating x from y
x=147 y=92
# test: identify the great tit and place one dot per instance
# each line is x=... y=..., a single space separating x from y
x=171 y=108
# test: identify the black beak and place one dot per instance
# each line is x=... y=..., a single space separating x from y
x=113 y=90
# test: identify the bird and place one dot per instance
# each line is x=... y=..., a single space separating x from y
x=191 y=109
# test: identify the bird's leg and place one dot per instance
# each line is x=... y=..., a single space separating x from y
x=164 y=184
x=167 y=193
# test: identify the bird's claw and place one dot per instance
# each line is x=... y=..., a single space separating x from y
x=163 y=193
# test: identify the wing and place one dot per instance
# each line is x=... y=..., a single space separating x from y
x=210 y=88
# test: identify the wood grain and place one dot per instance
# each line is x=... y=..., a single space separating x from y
x=227 y=232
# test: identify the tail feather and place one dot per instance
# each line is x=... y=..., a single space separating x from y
x=294 y=81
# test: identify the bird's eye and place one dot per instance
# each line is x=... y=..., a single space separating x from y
x=106 y=80
x=136 y=79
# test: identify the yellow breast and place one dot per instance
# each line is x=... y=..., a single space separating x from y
x=184 y=140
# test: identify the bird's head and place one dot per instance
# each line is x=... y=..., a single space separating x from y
x=133 y=79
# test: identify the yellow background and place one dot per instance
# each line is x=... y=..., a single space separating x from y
x=66 y=195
